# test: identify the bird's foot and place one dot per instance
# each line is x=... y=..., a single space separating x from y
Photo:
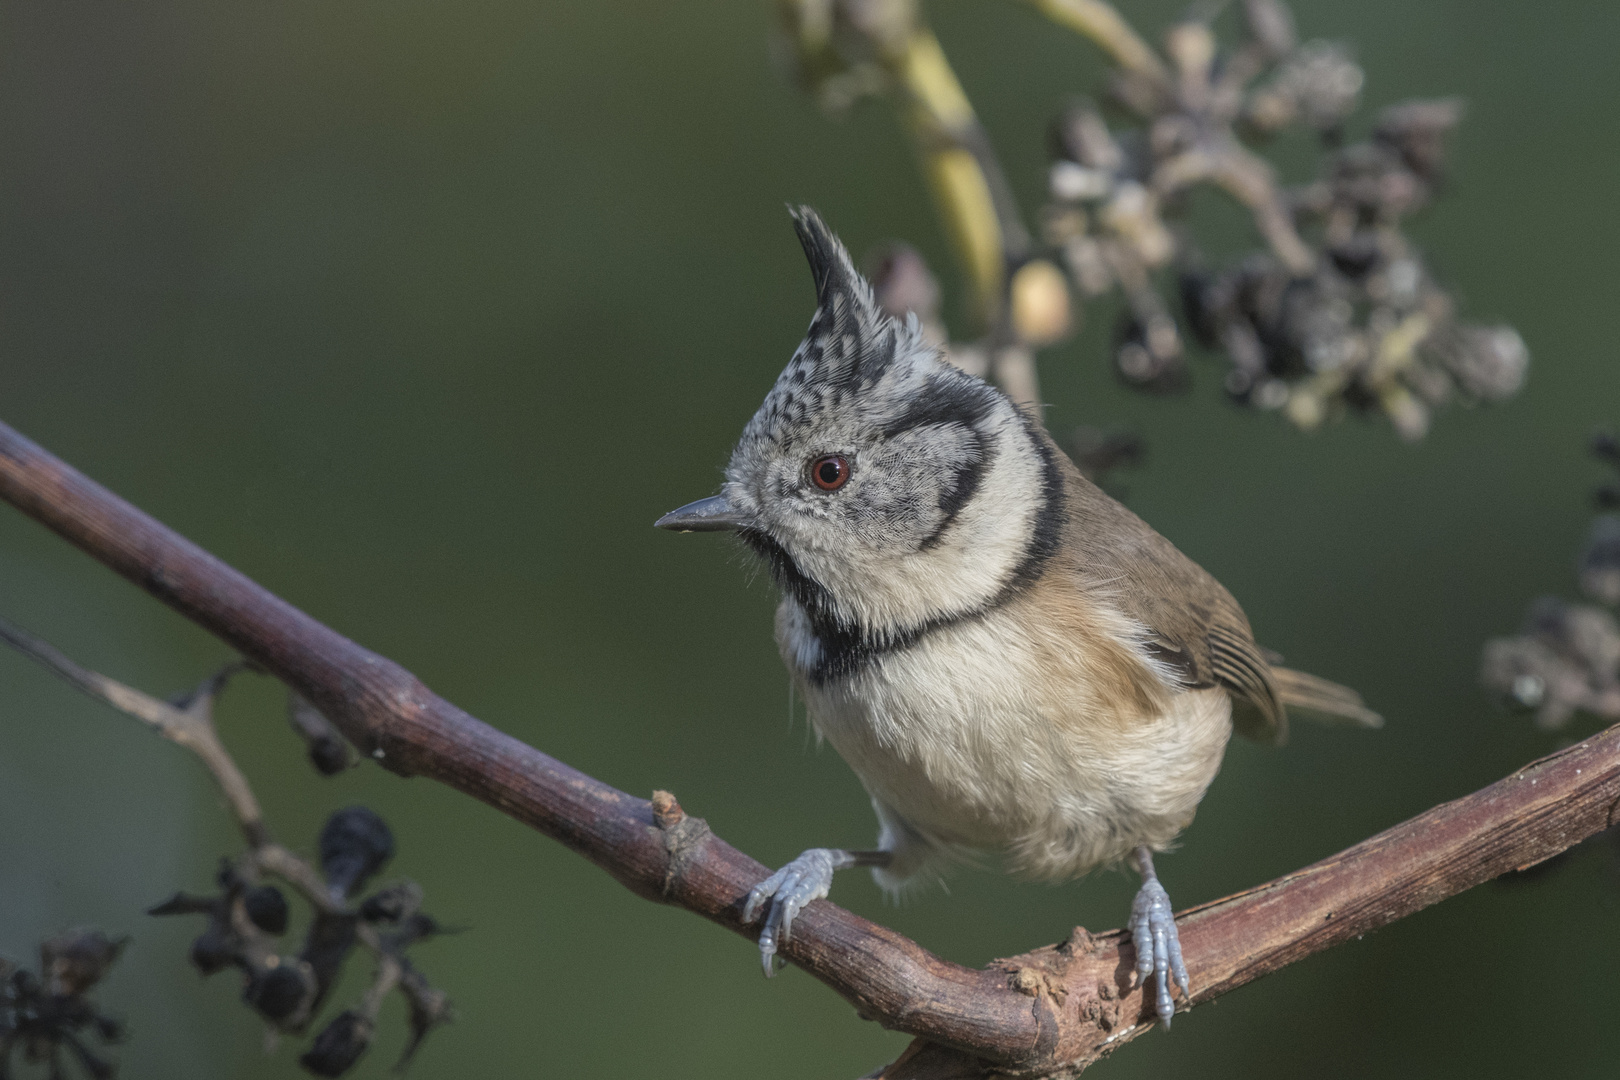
x=807 y=878
x=1158 y=946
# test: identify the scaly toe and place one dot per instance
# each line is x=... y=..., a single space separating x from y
x=807 y=878
x=1158 y=948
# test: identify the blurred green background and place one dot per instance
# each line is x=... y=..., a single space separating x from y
x=421 y=313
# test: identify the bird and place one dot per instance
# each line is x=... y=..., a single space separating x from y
x=1012 y=662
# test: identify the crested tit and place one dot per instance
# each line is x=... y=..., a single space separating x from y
x=1010 y=660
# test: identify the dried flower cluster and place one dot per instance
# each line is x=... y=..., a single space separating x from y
x=1567 y=657
x=249 y=916
x=44 y=1015
x=1336 y=312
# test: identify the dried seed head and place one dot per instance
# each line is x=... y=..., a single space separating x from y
x=73 y=962
x=1323 y=83
x=266 y=908
x=339 y=1045
x=1600 y=562
x=1488 y=362
x=281 y=993
x=1417 y=131
x=354 y=845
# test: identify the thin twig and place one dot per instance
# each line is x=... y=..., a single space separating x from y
x=272 y=858
x=191 y=726
x=389 y=970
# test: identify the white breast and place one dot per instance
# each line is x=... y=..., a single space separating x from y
x=1007 y=734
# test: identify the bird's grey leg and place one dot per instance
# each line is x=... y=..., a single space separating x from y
x=1158 y=946
x=807 y=878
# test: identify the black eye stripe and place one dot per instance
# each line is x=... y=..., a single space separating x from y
x=963 y=485
x=948 y=398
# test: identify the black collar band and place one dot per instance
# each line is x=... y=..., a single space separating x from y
x=847 y=649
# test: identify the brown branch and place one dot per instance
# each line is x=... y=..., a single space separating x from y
x=1083 y=985
x=1052 y=1009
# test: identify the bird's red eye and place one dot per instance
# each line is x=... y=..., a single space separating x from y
x=830 y=473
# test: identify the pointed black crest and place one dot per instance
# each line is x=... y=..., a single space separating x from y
x=830 y=263
x=850 y=339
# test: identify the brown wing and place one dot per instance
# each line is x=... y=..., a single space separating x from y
x=1198 y=630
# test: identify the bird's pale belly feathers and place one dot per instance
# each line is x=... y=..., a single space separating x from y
x=1054 y=745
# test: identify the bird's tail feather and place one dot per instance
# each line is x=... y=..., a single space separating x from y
x=1325 y=702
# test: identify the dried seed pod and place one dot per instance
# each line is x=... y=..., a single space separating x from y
x=266 y=906
x=429 y=1008
x=392 y=904
x=1041 y=313
x=1148 y=356
x=216 y=948
x=282 y=992
x=327 y=946
x=44 y=1016
x=902 y=282
x=1567 y=660
x=1527 y=673
x=339 y=1045
x=1417 y=131
x=74 y=961
x=355 y=843
x=1080 y=135
x=1323 y=83
x=1488 y=363
x=328 y=750
x=1600 y=561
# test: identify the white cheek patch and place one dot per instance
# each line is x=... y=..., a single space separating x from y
x=889 y=589
x=907 y=478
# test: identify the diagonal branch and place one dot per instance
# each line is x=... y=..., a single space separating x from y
x=1050 y=1010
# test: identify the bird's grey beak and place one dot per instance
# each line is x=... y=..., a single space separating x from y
x=714 y=514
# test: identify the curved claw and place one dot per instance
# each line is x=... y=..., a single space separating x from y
x=807 y=878
x=1158 y=947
